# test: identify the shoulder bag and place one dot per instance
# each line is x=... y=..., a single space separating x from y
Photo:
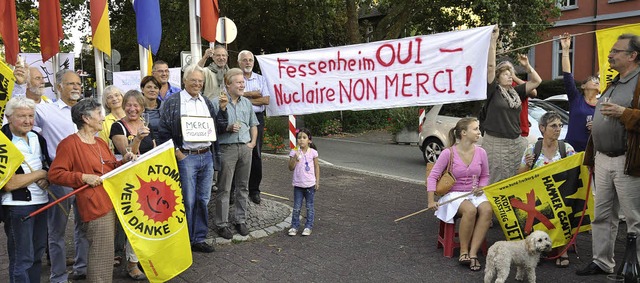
x=446 y=180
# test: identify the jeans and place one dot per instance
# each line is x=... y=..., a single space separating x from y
x=196 y=175
x=26 y=242
x=307 y=194
x=236 y=164
x=57 y=224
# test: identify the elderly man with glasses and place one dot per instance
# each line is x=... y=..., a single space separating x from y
x=55 y=121
x=613 y=150
x=194 y=152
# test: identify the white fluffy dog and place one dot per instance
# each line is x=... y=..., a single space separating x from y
x=524 y=254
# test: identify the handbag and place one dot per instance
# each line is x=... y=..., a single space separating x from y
x=446 y=180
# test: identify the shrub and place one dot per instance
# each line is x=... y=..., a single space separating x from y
x=330 y=127
x=276 y=133
x=403 y=118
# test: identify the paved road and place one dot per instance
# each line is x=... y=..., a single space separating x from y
x=354 y=240
x=374 y=153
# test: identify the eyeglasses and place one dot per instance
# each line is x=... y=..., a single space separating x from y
x=616 y=51
x=556 y=126
x=246 y=60
x=194 y=81
x=74 y=84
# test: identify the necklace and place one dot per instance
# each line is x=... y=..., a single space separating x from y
x=306 y=163
x=98 y=153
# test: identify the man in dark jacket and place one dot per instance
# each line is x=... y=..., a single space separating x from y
x=190 y=120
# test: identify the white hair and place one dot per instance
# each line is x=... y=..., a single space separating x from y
x=21 y=102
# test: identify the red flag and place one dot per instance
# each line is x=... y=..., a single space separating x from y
x=9 y=30
x=50 y=28
x=209 y=14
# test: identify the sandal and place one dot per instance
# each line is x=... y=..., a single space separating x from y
x=117 y=260
x=464 y=259
x=562 y=262
x=135 y=273
x=474 y=264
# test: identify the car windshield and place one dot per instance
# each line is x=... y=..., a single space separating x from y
x=538 y=108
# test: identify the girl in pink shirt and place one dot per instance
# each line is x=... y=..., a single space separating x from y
x=303 y=161
x=471 y=169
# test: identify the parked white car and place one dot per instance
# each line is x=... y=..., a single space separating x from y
x=441 y=118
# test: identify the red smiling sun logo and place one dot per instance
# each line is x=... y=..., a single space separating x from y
x=157 y=200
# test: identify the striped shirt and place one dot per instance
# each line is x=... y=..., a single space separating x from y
x=256 y=83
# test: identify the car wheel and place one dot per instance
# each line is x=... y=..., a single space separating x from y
x=431 y=149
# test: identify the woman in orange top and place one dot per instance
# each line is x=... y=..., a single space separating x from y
x=80 y=160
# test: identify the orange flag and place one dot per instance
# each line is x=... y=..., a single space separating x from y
x=50 y=28
x=9 y=30
x=209 y=14
x=101 y=36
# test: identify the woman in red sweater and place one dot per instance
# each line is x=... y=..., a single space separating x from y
x=80 y=160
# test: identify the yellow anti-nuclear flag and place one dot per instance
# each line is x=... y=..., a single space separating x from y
x=10 y=159
x=7 y=81
x=147 y=198
x=606 y=38
x=551 y=198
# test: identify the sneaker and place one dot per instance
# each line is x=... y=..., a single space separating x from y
x=293 y=231
x=225 y=232
x=242 y=229
x=306 y=232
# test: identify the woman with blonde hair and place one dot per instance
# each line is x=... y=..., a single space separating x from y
x=471 y=169
x=112 y=102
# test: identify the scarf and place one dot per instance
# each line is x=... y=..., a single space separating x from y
x=510 y=96
x=219 y=72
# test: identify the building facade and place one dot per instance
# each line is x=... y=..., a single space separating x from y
x=582 y=18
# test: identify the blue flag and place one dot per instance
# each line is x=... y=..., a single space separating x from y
x=148 y=23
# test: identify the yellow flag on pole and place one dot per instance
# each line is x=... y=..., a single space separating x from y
x=149 y=62
x=551 y=198
x=10 y=159
x=606 y=38
x=7 y=81
x=147 y=198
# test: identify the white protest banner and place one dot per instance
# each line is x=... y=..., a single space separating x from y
x=35 y=60
x=420 y=70
x=128 y=80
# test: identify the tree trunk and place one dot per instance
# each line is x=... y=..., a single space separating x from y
x=352 y=22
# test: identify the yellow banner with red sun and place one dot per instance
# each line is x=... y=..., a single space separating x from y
x=147 y=198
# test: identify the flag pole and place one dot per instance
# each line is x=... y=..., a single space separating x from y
x=49 y=205
x=142 y=54
x=99 y=73
x=194 y=33
x=55 y=67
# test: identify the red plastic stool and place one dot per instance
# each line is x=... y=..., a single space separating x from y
x=447 y=238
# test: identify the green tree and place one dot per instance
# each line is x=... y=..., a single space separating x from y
x=521 y=22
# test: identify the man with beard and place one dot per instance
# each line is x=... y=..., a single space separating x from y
x=161 y=73
x=55 y=121
x=36 y=86
x=214 y=73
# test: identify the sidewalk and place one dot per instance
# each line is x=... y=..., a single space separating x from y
x=354 y=239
